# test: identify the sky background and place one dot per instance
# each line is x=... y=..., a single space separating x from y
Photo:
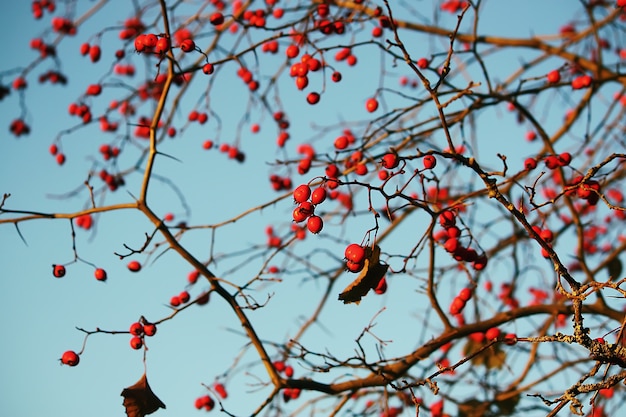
x=40 y=314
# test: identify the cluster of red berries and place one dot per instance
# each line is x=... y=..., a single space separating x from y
x=18 y=127
x=85 y=221
x=206 y=402
x=112 y=181
x=582 y=81
x=107 y=126
x=63 y=25
x=307 y=200
x=196 y=116
x=44 y=49
x=273 y=241
x=151 y=43
x=300 y=70
x=54 y=77
x=58 y=156
x=458 y=303
x=80 y=110
x=139 y=331
x=132 y=27
x=39 y=6
x=280 y=183
x=180 y=299
x=450 y=237
x=128 y=70
x=93 y=51
x=355 y=255
x=588 y=190
x=248 y=78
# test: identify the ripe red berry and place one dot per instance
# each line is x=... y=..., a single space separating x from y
x=292 y=51
x=492 y=333
x=187 y=45
x=429 y=161
x=100 y=274
x=94 y=53
x=205 y=402
x=390 y=160
x=60 y=158
x=465 y=294
x=70 y=358
x=58 y=271
x=355 y=253
x=94 y=90
x=554 y=77
x=150 y=40
x=136 y=342
x=216 y=19
x=175 y=301
x=149 y=329
x=301 y=193
x=313 y=98
x=530 y=163
x=134 y=266
x=136 y=329
x=162 y=46
x=315 y=224
x=184 y=297
x=208 y=69
x=336 y=76
x=371 y=105
x=84 y=49
x=221 y=390
x=381 y=287
x=318 y=196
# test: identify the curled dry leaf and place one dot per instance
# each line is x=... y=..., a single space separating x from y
x=139 y=400
x=371 y=274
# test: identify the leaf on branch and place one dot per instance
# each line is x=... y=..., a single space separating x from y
x=369 y=277
x=139 y=400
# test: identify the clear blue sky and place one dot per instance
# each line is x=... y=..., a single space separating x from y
x=41 y=313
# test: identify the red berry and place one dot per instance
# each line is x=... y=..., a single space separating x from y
x=390 y=161
x=100 y=274
x=315 y=224
x=381 y=287
x=184 y=297
x=313 y=98
x=371 y=105
x=554 y=77
x=84 y=49
x=292 y=51
x=221 y=390
x=162 y=46
x=530 y=163
x=355 y=253
x=318 y=196
x=70 y=358
x=216 y=19
x=94 y=90
x=136 y=329
x=301 y=193
x=58 y=271
x=149 y=329
x=187 y=45
x=354 y=266
x=175 y=301
x=457 y=306
x=136 y=342
x=208 y=69
x=134 y=266
x=429 y=161
x=465 y=294
x=492 y=333
x=193 y=276
x=150 y=40
x=94 y=53
x=336 y=76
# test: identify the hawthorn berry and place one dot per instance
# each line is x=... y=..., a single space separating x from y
x=134 y=266
x=58 y=271
x=187 y=45
x=355 y=253
x=553 y=77
x=292 y=51
x=465 y=294
x=70 y=358
x=162 y=46
x=301 y=193
x=205 y=402
x=175 y=301
x=149 y=329
x=371 y=105
x=94 y=53
x=313 y=98
x=136 y=342
x=184 y=297
x=336 y=76
x=100 y=274
x=530 y=163
x=492 y=333
x=216 y=19
x=136 y=329
x=381 y=287
x=390 y=160
x=429 y=161
x=208 y=69
x=221 y=390
x=318 y=196
x=315 y=224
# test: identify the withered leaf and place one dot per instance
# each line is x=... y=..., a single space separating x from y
x=369 y=277
x=139 y=400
